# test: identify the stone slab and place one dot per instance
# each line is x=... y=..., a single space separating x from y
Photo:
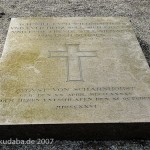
x=73 y=71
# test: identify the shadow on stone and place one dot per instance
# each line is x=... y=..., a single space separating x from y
x=145 y=48
x=2 y=14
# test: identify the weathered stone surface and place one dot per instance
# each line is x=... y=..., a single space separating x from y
x=73 y=70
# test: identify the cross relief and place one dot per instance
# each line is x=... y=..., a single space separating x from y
x=73 y=56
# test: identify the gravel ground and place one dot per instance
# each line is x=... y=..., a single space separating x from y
x=138 y=12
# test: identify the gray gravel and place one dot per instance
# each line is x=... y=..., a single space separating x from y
x=138 y=12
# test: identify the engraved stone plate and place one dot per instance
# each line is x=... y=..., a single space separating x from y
x=77 y=71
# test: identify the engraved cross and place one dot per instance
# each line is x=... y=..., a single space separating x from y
x=73 y=56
